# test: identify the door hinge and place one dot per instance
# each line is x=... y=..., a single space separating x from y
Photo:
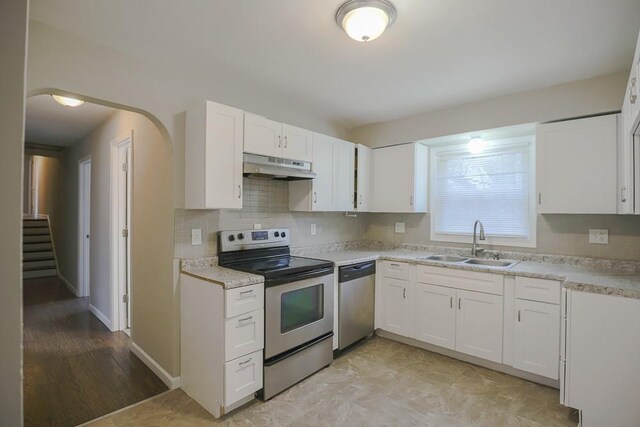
x=125 y=298
x=125 y=167
x=125 y=233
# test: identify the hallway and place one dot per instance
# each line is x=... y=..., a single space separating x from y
x=75 y=369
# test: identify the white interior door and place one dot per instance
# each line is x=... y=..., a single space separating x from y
x=84 y=227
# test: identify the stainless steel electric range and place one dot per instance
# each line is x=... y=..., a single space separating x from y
x=298 y=304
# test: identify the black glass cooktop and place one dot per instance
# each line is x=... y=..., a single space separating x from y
x=280 y=266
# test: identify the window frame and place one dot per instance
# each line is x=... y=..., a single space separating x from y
x=494 y=144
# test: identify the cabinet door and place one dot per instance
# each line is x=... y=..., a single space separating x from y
x=395 y=306
x=262 y=136
x=537 y=338
x=393 y=179
x=343 y=178
x=434 y=319
x=297 y=144
x=625 y=161
x=479 y=325
x=363 y=181
x=576 y=166
x=323 y=166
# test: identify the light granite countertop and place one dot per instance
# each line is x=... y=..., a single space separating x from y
x=209 y=270
x=622 y=282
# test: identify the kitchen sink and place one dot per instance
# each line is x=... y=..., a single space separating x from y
x=445 y=258
x=491 y=262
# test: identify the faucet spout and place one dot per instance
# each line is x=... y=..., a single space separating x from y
x=475 y=250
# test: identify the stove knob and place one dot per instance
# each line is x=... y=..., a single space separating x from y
x=231 y=237
x=276 y=234
x=240 y=236
x=283 y=234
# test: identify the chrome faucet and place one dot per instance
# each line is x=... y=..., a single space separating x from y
x=475 y=250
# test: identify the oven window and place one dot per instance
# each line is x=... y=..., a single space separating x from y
x=301 y=307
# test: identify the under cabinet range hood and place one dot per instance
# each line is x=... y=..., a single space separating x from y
x=276 y=168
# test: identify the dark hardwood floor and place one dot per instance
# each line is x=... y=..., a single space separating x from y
x=75 y=369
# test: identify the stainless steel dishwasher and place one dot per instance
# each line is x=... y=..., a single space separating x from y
x=356 y=290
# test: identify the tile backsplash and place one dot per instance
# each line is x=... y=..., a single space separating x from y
x=266 y=202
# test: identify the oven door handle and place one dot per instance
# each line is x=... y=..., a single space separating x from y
x=298 y=277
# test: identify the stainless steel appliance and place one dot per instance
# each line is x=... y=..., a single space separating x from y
x=276 y=168
x=298 y=304
x=356 y=284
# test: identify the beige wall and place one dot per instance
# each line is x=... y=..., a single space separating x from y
x=153 y=314
x=556 y=234
x=585 y=97
x=266 y=202
x=13 y=41
x=46 y=175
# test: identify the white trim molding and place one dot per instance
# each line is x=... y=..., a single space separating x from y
x=101 y=317
x=170 y=381
x=68 y=284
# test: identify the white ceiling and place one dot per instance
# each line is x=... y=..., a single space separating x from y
x=49 y=123
x=437 y=54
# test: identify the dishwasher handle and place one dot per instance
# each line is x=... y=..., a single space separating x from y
x=356 y=271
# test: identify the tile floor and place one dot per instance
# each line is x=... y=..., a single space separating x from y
x=381 y=382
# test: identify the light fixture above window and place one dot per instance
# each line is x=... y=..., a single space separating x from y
x=365 y=20
x=68 y=102
x=476 y=145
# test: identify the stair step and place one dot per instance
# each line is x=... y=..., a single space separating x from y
x=34 y=274
x=28 y=223
x=36 y=247
x=36 y=239
x=37 y=256
x=35 y=231
x=38 y=265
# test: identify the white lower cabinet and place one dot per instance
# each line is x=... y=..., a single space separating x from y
x=395 y=306
x=479 y=325
x=242 y=377
x=537 y=338
x=435 y=315
x=222 y=339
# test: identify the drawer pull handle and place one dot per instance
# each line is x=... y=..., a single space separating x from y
x=394 y=265
x=404 y=293
x=246 y=361
x=459 y=303
x=450 y=302
x=246 y=319
x=246 y=293
x=518 y=315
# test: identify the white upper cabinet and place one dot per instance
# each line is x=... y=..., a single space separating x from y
x=213 y=157
x=625 y=163
x=363 y=178
x=262 y=136
x=399 y=181
x=270 y=138
x=297 y=143
x=576 y=166
x=332 y=189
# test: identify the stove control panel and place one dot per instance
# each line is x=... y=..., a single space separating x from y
x=238 y=240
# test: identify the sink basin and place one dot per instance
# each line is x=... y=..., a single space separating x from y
x=491 y=262
x=445 y=258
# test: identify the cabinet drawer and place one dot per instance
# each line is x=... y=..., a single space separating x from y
x=244 y=300
x=395 y=270
x=242 y=377
x=540 y=290
x=461 y=279
x=244 y=334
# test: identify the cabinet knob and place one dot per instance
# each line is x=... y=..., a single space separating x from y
x=239 y=191
x=315 y=197
x=279 y=141
x=286 y=141
x=623 y=197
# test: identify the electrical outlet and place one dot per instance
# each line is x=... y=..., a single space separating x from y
x=599 y=236
x=313 y=229
x=400 y=227
x=196 y=236
x=257 y=226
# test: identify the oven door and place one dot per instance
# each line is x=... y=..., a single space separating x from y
x=297 y=312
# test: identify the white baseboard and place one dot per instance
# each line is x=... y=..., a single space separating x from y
x=170 y=381
x=68 y=284
x=101 y=317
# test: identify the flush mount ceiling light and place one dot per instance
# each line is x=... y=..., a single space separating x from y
x=67 y=102
x=365 y=20
x=476 y=145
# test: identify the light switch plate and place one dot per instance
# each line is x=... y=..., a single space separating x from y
x=599 y=236
x=313 y=229
x=400 y=227
x=257 y=226
x=196 y=236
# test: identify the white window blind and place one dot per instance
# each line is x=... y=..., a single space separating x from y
x=493 y=186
